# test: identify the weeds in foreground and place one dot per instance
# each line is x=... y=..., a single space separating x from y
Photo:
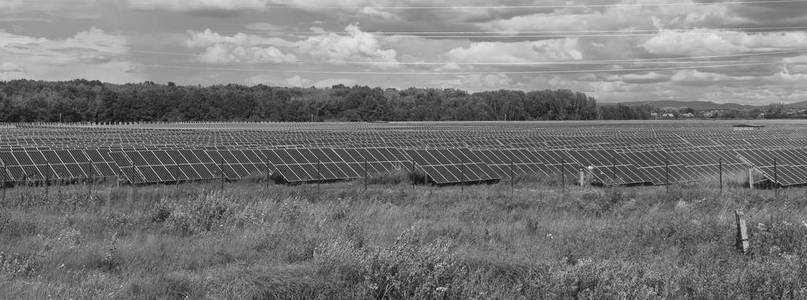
x=496 y=241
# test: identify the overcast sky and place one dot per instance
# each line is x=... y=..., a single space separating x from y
x=724 y=51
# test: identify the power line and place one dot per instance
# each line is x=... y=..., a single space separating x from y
x=527 y=34
x=529 y=6
x=229 y=69
x=659 y=60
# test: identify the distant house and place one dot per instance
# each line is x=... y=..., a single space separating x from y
x=668 y=115
x=654 y=115
x=688 y=115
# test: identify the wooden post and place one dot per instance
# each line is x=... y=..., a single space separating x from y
x=751 y=178
x=319 y=177
x=266 y=185
x=582 y=178
x=742 y=232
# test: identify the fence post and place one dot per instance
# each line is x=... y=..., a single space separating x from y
x=751 y=178
x=512 y=178
x=582 y=178
x=742 y=232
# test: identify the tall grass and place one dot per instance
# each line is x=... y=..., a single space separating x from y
x=252 y=240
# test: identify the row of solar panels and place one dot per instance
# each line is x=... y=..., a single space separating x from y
x=442 y=166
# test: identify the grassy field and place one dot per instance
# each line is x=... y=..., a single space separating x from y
x=337 y=241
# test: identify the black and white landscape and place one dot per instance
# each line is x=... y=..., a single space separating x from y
x=353 y=149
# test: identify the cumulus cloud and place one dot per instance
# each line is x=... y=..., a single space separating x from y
x=356 y=45
x=239 y=48
x=196 y=5
x=377 y=13
x=685 y=14
x=649 y=77
x=297 y=81
x=518 y=52
x=700 y=42
x=93 y=45
x=10 y=67
x=91 y=54
x=326 y=83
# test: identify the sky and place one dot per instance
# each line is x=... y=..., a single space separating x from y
x=749 y=52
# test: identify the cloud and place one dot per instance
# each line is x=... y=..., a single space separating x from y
x=326 y=83
x=297 y=81
x=356 y=45
x=649 y=77
x=377 y=13
x=91 y=54
x=703 y=42
x=685 y=14
x=263 y=26
x=10 y=67
x=197 y=5
x=239 y=48
x=93 y=45
x=518 y=52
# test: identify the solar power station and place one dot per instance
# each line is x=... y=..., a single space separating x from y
x=446 y=153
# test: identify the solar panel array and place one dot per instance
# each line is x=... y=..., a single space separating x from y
x=323 y=164
x=447 y=153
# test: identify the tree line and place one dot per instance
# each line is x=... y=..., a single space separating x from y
x=94 y=101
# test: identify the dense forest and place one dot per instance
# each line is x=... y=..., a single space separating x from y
x=94 y=101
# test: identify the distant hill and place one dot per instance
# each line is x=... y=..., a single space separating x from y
x=797 y=105
x=696 y=105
